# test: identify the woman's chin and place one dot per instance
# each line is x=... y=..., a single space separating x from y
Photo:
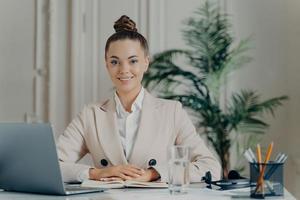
x=126 y=88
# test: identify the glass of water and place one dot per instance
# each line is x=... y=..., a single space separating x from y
x=178 y=168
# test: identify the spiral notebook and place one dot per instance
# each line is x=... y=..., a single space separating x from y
x=123 y=184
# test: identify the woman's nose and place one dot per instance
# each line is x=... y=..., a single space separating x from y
x=124 y=68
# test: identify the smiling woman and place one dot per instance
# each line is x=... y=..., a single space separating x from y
x=126 y=68
x=52 y=63
x=128 y=134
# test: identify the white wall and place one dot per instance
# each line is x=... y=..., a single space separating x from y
x=265 y=23
x=274 y=27
x=16 y=59
x=293 y=79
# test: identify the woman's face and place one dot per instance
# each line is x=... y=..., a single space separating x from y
x=126 y=63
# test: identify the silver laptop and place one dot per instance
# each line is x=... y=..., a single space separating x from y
x=29 y=162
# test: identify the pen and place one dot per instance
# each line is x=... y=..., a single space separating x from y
x=258 y=152
x=277 y=157
x=284 y=159
x=248 y=157
x=269 y=152
x=280 y=160
x=252 y=154
x=261 y=175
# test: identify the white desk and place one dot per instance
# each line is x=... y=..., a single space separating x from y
x=143 y=194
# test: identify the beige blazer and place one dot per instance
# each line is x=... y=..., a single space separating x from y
x=163 y=123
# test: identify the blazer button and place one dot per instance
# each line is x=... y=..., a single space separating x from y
x=104 y=162
x=152 y=162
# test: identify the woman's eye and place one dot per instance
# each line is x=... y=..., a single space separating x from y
x=114 y=62
x=133 y=61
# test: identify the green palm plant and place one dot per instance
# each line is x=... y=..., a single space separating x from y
x=198 y=84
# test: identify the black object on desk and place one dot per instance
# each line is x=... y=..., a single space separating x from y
x=234 y=181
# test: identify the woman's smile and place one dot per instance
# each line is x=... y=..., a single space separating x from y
x=125 y=78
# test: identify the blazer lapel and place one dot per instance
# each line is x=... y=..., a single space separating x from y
x=146 y=131
x=108 y=133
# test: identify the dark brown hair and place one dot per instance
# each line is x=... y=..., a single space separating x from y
x=125 y=29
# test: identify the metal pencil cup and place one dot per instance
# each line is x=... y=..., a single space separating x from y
x=268 y=184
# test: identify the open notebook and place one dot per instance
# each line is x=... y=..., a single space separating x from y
x=123 y=184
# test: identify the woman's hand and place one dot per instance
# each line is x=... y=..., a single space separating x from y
x=124 y=172
x=150 y=175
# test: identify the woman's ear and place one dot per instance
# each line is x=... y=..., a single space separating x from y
x=147 y=62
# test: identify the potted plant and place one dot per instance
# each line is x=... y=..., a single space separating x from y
x=213 y=54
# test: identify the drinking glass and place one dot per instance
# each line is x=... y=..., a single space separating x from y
x=178 y=168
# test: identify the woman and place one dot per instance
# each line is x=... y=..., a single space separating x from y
x=128 y=134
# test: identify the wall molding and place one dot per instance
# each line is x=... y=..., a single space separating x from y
x=41 y=60
x=76 y=56
x=156 y=23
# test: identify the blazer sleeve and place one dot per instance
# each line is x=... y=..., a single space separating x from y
x=71 y=148
x=202 y=160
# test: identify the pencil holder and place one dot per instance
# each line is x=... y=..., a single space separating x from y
x=266 y=180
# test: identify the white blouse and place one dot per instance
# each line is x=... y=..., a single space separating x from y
x=128 y=122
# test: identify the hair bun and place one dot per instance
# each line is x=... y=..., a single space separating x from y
x=124 y=23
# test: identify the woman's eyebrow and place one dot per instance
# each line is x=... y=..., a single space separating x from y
x=134 y=56
x=114 y=57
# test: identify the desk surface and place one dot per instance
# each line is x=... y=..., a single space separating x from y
x=142 y=194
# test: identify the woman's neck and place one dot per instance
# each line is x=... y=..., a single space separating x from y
x=127 y=98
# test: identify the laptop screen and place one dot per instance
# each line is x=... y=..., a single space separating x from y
x=28 y=159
